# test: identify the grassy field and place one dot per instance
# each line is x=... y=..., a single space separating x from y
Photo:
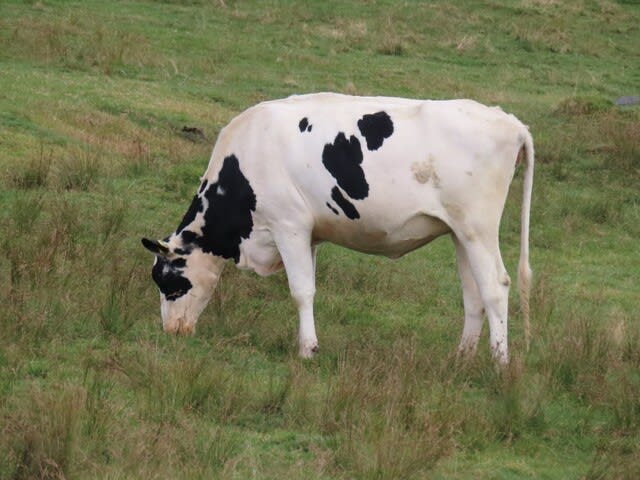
x=94 y=96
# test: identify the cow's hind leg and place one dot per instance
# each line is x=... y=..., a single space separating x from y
x=298 y=258
x=493 y=285
x=473 y=305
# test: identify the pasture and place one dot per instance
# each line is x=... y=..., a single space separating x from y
x=94 y=154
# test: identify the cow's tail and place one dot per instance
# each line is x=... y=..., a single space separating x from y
x=524 y=269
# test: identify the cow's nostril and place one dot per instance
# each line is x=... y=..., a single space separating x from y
x=186 y=329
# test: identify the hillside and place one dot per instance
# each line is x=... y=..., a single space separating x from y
x=108 y=114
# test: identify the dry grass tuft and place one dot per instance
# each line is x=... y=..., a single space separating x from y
x=78 y=42
x=41 y=440
x=578 y=106
x=593 y=127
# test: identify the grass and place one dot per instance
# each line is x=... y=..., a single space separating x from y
x=94 y=98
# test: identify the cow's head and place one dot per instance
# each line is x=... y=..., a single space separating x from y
x=186 y=278
x=189 y=263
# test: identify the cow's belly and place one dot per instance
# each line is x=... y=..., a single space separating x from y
x=375 y=236
x=368 y=235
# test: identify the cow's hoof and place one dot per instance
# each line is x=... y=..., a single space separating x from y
x=309 y=350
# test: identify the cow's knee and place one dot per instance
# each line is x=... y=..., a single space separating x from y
x=303 y=297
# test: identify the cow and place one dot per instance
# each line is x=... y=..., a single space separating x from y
x=378 y=175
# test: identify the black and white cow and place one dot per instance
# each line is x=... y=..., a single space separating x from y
x=375 y=174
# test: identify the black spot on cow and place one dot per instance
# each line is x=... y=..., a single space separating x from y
x=168 y=275
x=178 y=263
x=342 y=159
x=203 y=186
x=375 y=128
x=190 y=216
x=188 y=237
x=333 y=209
x=347 y=207
x=304 y=125
x=228 y=216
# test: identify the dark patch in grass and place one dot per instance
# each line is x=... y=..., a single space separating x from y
x=392 y=48
x=576 y=106
x=193 y=134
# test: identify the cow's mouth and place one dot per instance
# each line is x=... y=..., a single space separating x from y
x=180 y=328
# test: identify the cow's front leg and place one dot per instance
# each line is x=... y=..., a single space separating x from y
x=298 y=258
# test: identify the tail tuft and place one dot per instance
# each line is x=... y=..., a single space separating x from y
x=524 y=288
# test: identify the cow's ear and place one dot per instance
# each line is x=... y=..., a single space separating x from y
x=156 y=246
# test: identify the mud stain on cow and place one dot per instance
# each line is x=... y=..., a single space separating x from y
x=342 y=233
x=425 y=172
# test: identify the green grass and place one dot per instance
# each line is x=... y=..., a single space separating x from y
x=93 y=100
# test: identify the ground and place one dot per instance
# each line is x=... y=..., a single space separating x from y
x=108 y=113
